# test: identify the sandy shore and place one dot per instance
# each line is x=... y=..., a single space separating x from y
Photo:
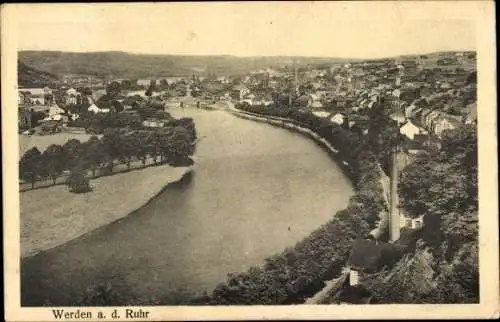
x=54 y=216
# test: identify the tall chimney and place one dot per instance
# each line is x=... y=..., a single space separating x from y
x=394 y=221
x=295 y=76
x=293 y=86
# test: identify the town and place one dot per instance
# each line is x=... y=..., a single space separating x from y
x=405 y=110
x=428 y=94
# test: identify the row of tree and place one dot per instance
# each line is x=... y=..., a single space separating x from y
x=173 y=145
x=299 y=271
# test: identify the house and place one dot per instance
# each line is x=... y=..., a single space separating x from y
x=445 y=86
x=97 y=94
x=410 y=130
x=147 y=82
x=471 y=117
x=445 y=123
x=430 y=118
x=316 y=104
x=433 y=118
x=248 y=98
x=238 y=92
x=71 y=96
x=338 y=118
x=265 y=100
x=321 y=114
x=410 y=110
x=151 y=122
x=398 y=116
x=173 y=103
x=55 y=110
x=141 y=93
x=20 y=98
x=56 y=117
x=95 y=109
x=412 y=223
x=417 y=223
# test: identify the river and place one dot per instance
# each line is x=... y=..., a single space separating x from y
x=255 y=189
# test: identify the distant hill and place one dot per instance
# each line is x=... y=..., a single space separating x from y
x=133 y=66
x=31 y=77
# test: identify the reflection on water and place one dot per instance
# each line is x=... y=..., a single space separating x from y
x=253 y=191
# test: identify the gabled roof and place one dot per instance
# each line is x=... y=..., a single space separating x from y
x=451 y=120
x=369 y=256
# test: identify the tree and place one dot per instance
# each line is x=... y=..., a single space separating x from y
x=177 y=146
x=95 y=126
x=36 y=117
x=149 y=92
x=128 y=148
x=53 y=161
x=85 y=91
x=72 y=151
x=94 y=153
x=142 y=147
x=164 y=84
x=77 y=182
x=112 y=141
x=126 y=84
x=116 y=106
x=113 y=89
x=29 y=165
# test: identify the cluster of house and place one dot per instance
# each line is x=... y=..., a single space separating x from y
x=419 y=94
x=90 y=81
x=48 y=102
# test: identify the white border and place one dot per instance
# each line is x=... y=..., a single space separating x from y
x=482 y=12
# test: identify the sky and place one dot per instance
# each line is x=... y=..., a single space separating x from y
x=335 y=29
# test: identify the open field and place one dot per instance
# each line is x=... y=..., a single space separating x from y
x=53 y=216
x=42 y=142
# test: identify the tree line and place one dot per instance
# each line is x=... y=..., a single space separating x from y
x=172 y=145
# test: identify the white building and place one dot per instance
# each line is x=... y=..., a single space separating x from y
x=413 y=223
x=55 y=110
x=410 y=130
x=321 y=114
x=338 y=118
x=95 y=109
x=444 y=123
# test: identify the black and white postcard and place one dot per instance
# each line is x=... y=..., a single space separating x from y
x=249 y=160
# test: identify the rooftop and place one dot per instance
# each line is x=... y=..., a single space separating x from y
x=367 y=255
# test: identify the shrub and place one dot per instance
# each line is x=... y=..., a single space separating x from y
x=77 y=182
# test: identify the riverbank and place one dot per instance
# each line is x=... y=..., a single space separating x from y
x=384 y=180
x=54 y=216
